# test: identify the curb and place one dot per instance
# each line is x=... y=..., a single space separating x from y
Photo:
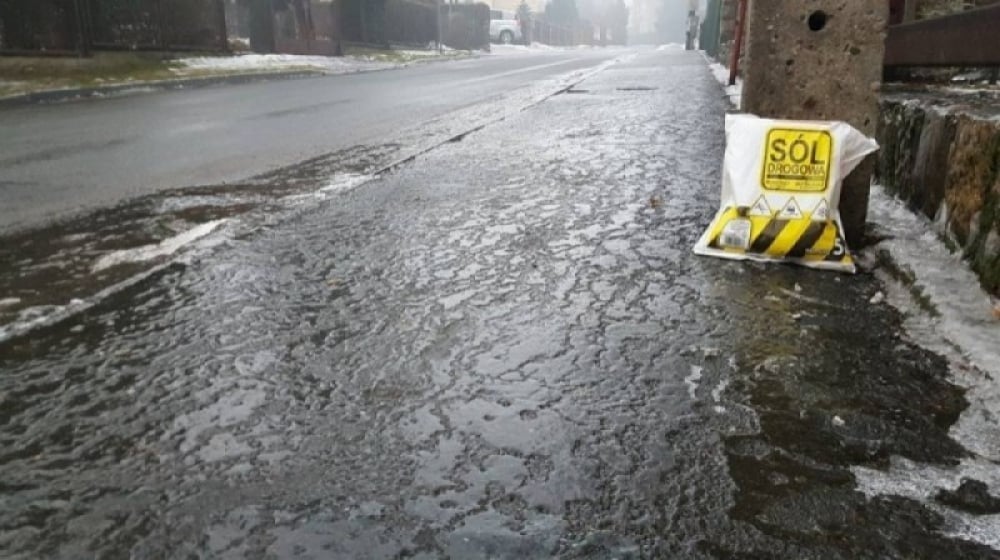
x=59 y=95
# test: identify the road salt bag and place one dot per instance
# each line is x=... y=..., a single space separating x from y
x=780 y=190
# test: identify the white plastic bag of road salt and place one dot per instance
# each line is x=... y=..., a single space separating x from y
x=780 y=191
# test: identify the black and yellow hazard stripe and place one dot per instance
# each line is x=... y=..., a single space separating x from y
x=809 y=238
x=801 y=238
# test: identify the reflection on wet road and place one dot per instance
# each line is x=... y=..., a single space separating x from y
x=503 y=350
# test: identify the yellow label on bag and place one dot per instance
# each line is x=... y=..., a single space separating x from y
x=797 y=160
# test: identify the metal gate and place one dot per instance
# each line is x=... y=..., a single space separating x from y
x=77 y=26
x=47 y=26
x=156 y=24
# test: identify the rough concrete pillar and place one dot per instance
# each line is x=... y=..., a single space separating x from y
x=820 y=60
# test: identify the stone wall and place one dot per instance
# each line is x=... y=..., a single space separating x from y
x=934 y=8
x=943 y=160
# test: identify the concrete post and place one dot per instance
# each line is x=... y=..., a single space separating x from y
x=820 y=60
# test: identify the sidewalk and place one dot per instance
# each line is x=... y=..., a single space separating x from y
x=505 y=349
x=53 y=79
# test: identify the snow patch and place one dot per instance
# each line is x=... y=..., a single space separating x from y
x=9 y=302
x=692 y=381
x=521 y=49
x=280 y=62
x=717 y=391
x=922 y=482
x=46 y=315
x=430 y=52
x=164 y=248
x=721 y=74
x=967 y=90
x=670 y=47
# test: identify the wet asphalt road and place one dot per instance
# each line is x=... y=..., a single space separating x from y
x=504 y=349
x=61 y=158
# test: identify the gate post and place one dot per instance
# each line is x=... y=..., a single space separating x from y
x=82 y=31
x=820 y=60
x=220 y=18
x=262 y=38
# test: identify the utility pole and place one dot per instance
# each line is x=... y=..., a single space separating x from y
x=438 y=8
x=741 y=24
x=82 y=37
x=796 y=69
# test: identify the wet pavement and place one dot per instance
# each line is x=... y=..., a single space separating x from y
x=502 y=349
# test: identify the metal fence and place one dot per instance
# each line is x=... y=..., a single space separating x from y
x=410 y=23
x=79 y=26
x=285 y=26
x=582 y=33
x=415 y=22
x=466 y=26
x=49 y=26
x=969 y=39
x=709 y=37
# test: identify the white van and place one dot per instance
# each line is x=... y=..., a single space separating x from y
x=504 y=27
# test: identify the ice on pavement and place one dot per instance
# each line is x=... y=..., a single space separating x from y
x=164 y=248
x=964 y=331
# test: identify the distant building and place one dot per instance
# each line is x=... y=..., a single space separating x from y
x=643 y=17
x=537 y=6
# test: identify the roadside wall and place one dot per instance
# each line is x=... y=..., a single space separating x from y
x=944 y=162
x=933 y=8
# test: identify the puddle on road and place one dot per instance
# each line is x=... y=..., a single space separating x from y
x=42 y=271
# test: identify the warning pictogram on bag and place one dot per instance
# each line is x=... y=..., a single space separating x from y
x=791 y=210
x=797 y=160
x=761 y=208
x=822 y=211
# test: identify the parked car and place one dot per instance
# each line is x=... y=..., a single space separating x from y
x=504 y=27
